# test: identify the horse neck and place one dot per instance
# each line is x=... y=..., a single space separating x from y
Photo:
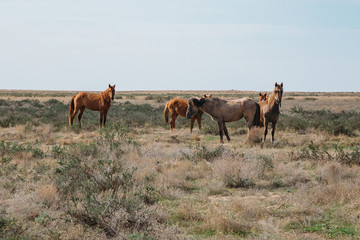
x=208 y=106
x=271 y=102
x=105 y=94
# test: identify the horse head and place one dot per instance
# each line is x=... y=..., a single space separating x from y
x=278 y=92
x=262 y=97
x=112 y=91
x=194 y=105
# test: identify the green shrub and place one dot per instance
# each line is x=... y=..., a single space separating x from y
x=109 y=197
x=324 y=120
x=346 y=155
x=202 y=152
x=235 y=180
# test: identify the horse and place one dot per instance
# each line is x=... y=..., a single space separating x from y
x=222 y=111
x=178 y=106
x=263 y=97
x=270 y=110
x=96 y=102
x=263 y=101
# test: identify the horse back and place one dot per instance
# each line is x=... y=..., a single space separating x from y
x=88 y=100
x=179 y=106
x=234 y=110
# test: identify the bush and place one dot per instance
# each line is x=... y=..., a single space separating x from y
x=324 y=120
x=104 y=194
x=235 y=180
x=346 y=155
x=202 y=152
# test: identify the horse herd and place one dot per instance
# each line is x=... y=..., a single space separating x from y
x=220 y=110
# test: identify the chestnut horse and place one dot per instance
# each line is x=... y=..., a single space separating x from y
x=270 y=110
x=178 y=106
x=263 y=101
x=223 y=111
x=96 y=102
x=263 y=98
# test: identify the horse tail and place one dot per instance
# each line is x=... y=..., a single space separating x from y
x=166 y=113
x=256 y=120
x=71 y=108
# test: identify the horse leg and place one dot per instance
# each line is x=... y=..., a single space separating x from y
x=199 y=121
x=82 y=109
x=192 y=124
x=101 y=118
x=226 y=132
x=266 y=122
x=105 y=114
x=73 y=114
x=221 y=129
x=172 y=122
x=273 y=126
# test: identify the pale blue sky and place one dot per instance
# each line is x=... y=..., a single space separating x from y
x=310 y=45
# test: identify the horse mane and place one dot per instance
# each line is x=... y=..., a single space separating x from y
x=105 y=92
x=271 y=98
x=215 y=99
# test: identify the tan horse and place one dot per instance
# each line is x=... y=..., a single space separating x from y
x=96 y=102
x=270 y=110
x=263 y=98
x=223 y=111
x=263 y=101
x=178 y=107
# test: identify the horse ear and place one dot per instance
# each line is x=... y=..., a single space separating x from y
x=276 y=84
x=259 y=93
x=210 y=96
x=265 y=94
x=281 y=84
x=198 y=102
x=109 y=86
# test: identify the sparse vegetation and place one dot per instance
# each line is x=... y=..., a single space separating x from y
x=136 y=180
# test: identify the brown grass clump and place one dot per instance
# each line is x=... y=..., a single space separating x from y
x=254 y=135
x=188 y=211
x=235 y=173
x=195 y=138
x=250 y=209
x=218 y=221
x=47 y=194
x=336 y=193
x=330 y=173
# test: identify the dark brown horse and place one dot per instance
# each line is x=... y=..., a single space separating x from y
x=178 y=106
x=96 y=102
x=270 y=110
x=223 y=111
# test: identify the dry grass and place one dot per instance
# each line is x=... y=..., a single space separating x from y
x=47 y=194
x=193 y=187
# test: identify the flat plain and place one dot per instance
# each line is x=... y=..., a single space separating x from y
x=134 y=179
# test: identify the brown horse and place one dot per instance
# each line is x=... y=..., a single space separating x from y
x=96 y=102
x=263 y=97
x=178 y=107
x=270 y=110
x=263 y=101
x=223 y=111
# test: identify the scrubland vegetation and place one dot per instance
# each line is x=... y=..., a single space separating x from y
x=136 y=180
